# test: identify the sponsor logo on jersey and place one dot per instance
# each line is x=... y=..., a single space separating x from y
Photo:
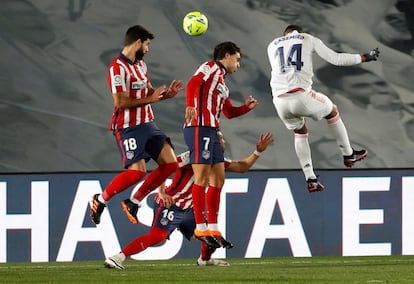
x=139 y=85
x=223 y=90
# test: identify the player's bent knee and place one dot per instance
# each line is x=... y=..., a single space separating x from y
x=158 y=235
x=333 y=113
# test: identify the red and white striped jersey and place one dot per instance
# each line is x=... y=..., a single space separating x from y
x=183 y=180
x=207 y=92
x=131 y=78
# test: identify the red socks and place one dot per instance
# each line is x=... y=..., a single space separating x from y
x=200 y=199
x=206 y=251
x=155 y=179
x=199 y=196
x=155 y=236
x=121 y=182
x=213 y=204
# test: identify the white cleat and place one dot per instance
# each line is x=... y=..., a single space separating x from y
x=114 y=262
x=212 y=262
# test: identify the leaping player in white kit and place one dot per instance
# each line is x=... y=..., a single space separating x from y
x=290 y=57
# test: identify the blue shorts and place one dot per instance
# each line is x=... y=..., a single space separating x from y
x=173 y=218
x=204 y=145
x=139 y=142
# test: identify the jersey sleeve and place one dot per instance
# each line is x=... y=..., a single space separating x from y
x=193 y=86
x=192 y=90
x=231 y=111
x=116 y=78
x=335 y=58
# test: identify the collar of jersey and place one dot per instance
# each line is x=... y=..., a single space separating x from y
x=126 y=59
x=222 y=66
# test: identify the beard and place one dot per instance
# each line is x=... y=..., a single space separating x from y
x=139 y=54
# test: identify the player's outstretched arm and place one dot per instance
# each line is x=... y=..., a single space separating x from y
x=231 y=111
x=246 y=163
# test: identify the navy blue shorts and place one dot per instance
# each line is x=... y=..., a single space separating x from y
x=173 y=218
x=139 y=142
x=204 y=145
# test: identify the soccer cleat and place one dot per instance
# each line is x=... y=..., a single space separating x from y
x=356 y=156
x=130 y=209
x=97 y=208
x=207 y=238
x=114 y=262
x=222 y=241
x=314 y=185
x=212 y=262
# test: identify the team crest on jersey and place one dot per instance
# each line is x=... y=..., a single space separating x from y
x=164 y=221
x=223 y=90
x=117 y=80
x=206 y=154
x=129 y=155
x=139 y=85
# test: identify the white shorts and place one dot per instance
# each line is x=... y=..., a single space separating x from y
x=292 y=108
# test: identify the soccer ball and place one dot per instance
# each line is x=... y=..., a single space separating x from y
x=195 y=23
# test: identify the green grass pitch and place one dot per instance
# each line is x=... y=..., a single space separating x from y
x=374 y=269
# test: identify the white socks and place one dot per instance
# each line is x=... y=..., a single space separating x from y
x=213 y=227
x=338 y=130
x=201 y=227
x=304 y=155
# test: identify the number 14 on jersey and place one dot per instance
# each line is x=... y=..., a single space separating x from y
x=294 y=57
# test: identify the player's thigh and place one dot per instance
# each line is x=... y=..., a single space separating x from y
x=317 y=105
x=289 y=112
x=167 y=154
x=204 y=145
x=188 y=223
x=158 y=145
x=167 y=219
x=131 y=145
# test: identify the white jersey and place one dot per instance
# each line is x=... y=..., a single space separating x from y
x=290 y=58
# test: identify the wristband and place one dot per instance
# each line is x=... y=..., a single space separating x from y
x=257 y=153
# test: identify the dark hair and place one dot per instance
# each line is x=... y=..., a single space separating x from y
x=225 y=47
x=293 y=28
x=137 y=32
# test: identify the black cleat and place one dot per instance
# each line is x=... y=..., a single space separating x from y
x=97 y=208
x=130 y=209
x=207 y=238
x=223 y=242
x=314 y=185
x=356 y=156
